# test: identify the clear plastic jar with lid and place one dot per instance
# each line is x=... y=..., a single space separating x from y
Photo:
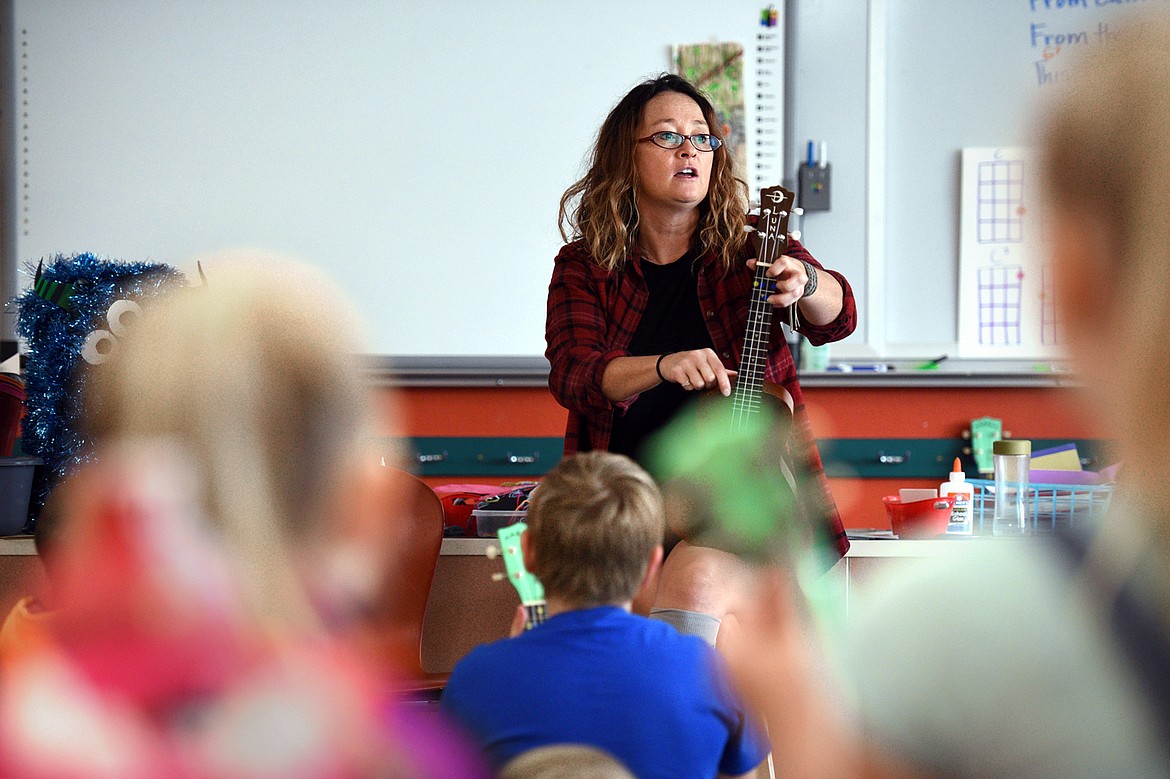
x=1013 y=459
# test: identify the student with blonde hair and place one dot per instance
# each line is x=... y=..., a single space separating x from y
x=594 y=673
x=228 y=527
x=255 y=375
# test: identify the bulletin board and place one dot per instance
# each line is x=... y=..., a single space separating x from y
x=417 y=152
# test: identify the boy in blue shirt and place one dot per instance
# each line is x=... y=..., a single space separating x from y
x=593 y=673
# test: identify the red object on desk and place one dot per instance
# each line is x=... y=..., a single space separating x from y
x=459 y=501
x=11 y=409
x=919 y=518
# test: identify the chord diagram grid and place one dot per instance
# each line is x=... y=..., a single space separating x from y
x=1000 y=296
x=1051 y=331
x=1000 y=201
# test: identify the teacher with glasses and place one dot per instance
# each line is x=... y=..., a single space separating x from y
x=648 y=301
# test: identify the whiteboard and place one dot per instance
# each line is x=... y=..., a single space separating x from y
x=960 y=75
x=415 y=151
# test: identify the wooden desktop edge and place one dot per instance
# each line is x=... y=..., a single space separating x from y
x=17 y=545
x=477 y=547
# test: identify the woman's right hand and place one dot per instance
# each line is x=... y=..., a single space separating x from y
x=699 y=369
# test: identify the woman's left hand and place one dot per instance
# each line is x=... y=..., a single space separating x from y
x=789 y=279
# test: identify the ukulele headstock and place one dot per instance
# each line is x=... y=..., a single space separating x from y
x=777 y=205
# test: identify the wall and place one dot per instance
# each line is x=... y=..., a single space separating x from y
x=828 y=50
x=856 y=414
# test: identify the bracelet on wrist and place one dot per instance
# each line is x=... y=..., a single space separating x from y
x=811 y=285
x=658 y=366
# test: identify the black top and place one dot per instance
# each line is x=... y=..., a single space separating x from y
x=673 y=322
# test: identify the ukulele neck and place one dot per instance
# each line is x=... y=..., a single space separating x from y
x=772 y=241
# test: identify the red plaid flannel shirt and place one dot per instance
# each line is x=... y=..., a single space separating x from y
x=592 y=315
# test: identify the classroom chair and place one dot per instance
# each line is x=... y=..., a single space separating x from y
x=398 y=619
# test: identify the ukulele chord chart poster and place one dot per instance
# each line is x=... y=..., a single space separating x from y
x=1006 y=303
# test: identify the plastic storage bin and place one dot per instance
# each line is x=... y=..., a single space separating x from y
x=488 y=521
x=1050 y=506
x=16 y=478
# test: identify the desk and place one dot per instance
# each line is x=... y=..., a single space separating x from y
x=21 y=573
x=468 y=607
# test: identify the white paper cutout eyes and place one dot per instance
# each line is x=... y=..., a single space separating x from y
x=121 y=315
x=100 y=345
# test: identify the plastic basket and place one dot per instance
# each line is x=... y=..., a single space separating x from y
x=1052 y=506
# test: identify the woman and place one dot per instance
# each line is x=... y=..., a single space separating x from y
x=1048 y=656
x=648 y=304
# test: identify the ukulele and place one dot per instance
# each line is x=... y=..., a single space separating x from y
x=765 y=466
x=530 y=589
x=771 y=234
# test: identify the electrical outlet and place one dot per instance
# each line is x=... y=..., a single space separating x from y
x=814 y=187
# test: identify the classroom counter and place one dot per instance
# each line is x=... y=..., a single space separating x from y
x=471 y=602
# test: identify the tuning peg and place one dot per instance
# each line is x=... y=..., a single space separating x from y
x=492 y=552
x=794 y=235
x=749 y=229
x=498 y=577
x=798 y=211
x=753 y=205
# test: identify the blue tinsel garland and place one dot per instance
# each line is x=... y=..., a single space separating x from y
x=54 y=371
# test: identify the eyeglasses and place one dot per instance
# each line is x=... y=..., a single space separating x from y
x=671 y=140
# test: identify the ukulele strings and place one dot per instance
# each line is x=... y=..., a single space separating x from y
x=748 y=388
x=536 y=615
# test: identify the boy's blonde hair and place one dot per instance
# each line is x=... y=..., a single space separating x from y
x=593 y=523
x=565 y=761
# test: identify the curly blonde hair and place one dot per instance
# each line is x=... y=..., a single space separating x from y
x=265 y=393
x=605 y=214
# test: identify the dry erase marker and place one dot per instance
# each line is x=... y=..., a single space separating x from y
x=873 y=368
x=930 y=365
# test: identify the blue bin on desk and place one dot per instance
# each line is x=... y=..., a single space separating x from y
x=1051 y=506
x=16 y=479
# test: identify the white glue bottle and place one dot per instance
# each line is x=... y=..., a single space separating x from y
x=964 y=493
